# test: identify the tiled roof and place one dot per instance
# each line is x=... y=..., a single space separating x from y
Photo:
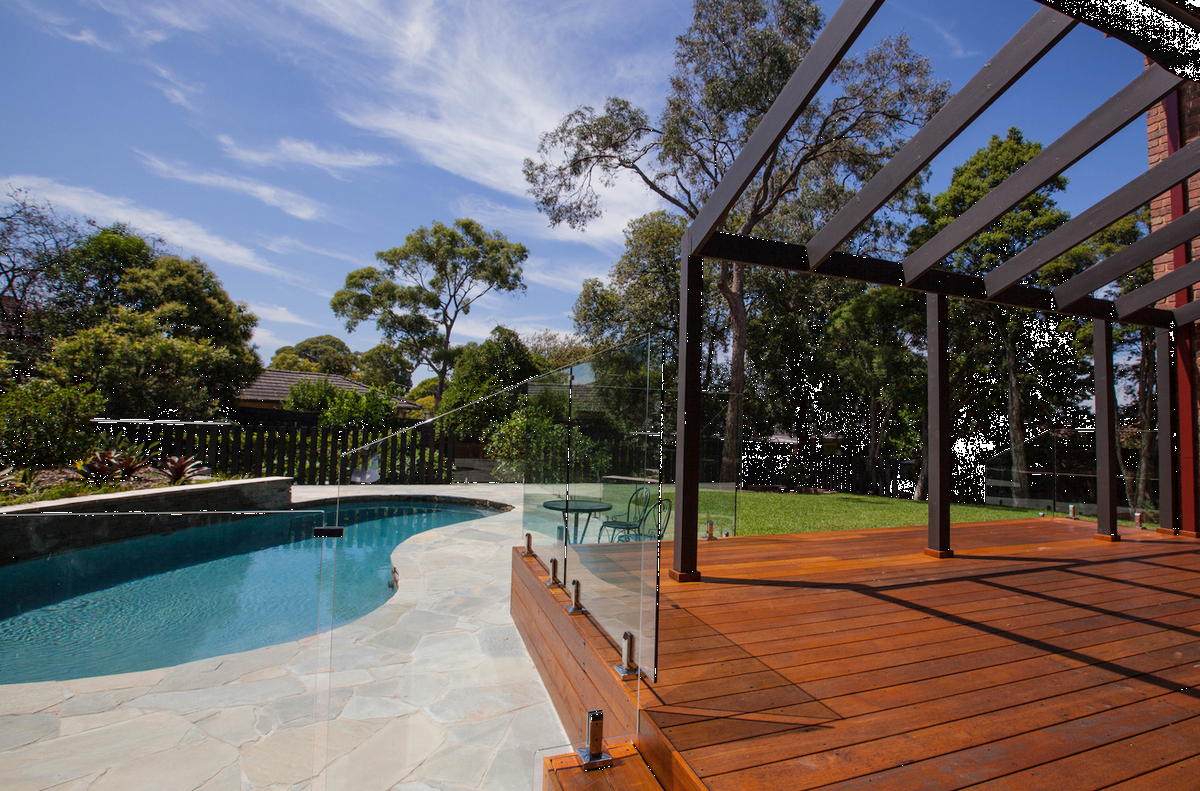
x=274 y=385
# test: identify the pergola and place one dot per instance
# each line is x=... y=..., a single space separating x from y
x=1164 y=30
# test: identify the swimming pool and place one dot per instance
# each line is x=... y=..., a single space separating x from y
x=205 y=591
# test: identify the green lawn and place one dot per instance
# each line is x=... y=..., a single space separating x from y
x=763 y=513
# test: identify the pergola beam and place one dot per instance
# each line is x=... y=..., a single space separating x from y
x=1138 y=192
x=1035 y=39
x=865 y=269
x=1115 y=114
x=822 y=58
x=1158 y=289
x=1127 y=259
x=1186 y=314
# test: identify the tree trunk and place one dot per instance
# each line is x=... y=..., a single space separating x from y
x=1146 y=416
x=732 y=284
x=920 y=490
x=1016 y=423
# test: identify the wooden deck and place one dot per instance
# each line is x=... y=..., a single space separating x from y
x=1036 y=658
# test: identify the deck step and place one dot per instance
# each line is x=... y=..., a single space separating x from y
x=628 y=772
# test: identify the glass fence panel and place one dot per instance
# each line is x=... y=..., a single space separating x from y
x=615 y=510
x=1056 y=472
x=164 y=629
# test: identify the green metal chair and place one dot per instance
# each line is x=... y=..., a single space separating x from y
x=661 y=511
x=635 y=512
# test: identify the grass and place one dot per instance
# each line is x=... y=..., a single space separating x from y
x=765 y=513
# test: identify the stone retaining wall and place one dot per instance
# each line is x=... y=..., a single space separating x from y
x=36 y=530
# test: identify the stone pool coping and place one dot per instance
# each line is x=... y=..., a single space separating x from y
x=432 y=690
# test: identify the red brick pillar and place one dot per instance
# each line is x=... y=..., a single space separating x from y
x=1171 y=124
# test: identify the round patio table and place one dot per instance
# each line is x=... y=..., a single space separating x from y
x=578 y=507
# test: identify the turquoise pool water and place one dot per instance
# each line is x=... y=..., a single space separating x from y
x=202 y=592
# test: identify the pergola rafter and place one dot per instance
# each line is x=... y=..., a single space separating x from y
x=1004 y=285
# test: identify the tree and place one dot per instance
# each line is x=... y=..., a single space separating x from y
x=642 y=297
x=730 y=65
x=384 y=366
x=372 y=409
x=427 y=284
x=872 y=338
x=795 y=387
x=32 y=238
x=482 y=370
x=326 y=354
x=43 y=424
x=557 y=349
x=187 y=299
x=145 y=372
x=1038 y=371
x=310 y=396
x=85 y=284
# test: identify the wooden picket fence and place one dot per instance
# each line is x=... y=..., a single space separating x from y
x=310 y=455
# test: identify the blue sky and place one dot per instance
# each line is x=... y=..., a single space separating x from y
x=284 y=143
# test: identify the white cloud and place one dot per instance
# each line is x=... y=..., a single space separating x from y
x=175 y=88
x=267 y=342
x=468 y=86
x=522 y=222
x=286 y=245
x=566 y=276
x=280 y=314
x=191 y=236
x=304 y=152
x=60 y=25
x=293 y=203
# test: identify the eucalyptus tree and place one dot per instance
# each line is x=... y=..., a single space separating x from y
x=730 y=64
x=641 y=297
x=426 y=285
x=1032 y=361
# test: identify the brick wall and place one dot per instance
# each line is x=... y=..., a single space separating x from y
x=1173 y=123
x=1187 y=112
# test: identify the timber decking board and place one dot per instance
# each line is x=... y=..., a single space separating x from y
x=849 y=659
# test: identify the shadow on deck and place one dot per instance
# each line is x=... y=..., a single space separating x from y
x=1037 y=657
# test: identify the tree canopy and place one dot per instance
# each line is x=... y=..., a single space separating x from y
x=482 y=369
x=427 y=284
x=730 y=65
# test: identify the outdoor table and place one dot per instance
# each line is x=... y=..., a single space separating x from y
x=578 y=507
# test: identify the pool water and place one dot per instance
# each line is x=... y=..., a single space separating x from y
x=201 y=592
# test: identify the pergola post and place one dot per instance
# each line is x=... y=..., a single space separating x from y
x=1168 y=432
x=1185 y=382
x=687 y=437
x=1106 y=432
x=937 y=454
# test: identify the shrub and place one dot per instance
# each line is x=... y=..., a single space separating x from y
x=372 y=409
x=44 y=424
x=310 y=395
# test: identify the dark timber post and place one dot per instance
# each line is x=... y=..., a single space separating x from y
x=1168 y=432
x=687 y=437
x=937 y=455
x=1106 y=432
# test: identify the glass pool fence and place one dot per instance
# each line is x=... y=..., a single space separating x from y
x=1056 y=472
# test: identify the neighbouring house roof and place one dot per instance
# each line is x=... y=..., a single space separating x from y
x=273 y=386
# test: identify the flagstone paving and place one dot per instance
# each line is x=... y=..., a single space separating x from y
x=433 y=690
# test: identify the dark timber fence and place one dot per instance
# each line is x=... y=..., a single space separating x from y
x=310 y=455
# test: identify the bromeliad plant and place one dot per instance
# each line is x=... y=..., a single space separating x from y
x=103 y=466
x=14 y=481
x=181 y=469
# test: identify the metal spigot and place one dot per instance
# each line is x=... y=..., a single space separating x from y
x=628 y=668
x=592 y=755
x=576 y=607
x=554 y=581
x=528 y=551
